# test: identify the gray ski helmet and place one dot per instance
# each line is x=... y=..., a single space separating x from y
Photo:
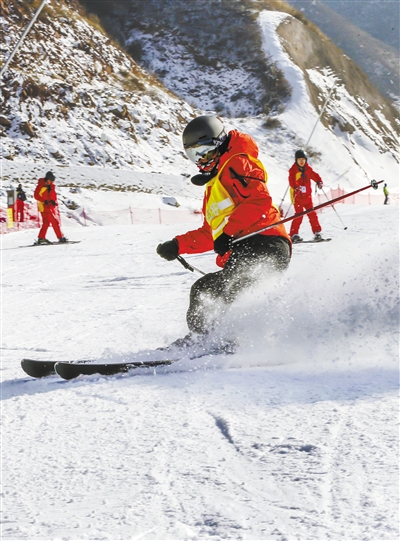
x=300 y=154
x=201 y=136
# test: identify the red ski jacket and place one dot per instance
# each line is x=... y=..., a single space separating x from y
x=236 y=201
x=300 y=182
x=45 y=192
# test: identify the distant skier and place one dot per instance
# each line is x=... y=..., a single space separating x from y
x=20 y=203
x=45 y=194
x=300 y=176
x=236 y=202
x=386 y=194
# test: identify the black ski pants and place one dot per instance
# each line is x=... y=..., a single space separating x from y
x=249 y=262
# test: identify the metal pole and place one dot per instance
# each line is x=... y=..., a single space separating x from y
x=287 y=212
x=374 y=185
x=283 y=199
x=320 y=115
x=341 y=221
x=187 y=266
x=21 y=39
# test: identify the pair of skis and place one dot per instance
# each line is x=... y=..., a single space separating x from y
x=147 y=360
x=52 y=243
x=312 y=241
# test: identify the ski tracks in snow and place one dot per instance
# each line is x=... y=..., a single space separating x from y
x=327 y=473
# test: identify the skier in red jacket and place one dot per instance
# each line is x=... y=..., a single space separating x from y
x=300 y=176
x=236 y=203
x=46 y=196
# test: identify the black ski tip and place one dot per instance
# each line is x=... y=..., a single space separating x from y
x=62 y=370
x=71 y=370
x=38 y=369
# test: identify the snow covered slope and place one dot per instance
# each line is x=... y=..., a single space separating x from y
x=358 y=142
x=368 y=32
x=293 y=437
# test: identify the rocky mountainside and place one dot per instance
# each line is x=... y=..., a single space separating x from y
x=71 y=95
x=368 y=32
x=316 y=57
x=207 y=51
x=75 y=95
x=227 y=70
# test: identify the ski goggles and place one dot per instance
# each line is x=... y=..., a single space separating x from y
x=203 y=152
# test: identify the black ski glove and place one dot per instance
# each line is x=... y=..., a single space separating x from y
x=223 y=244
x=168 y=250
x=52 y=202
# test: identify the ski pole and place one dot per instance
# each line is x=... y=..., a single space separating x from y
x=337 y=214
x=328 y=198
x=320 y=115
x=287 y=212
x=187 y=266
x=21 y=39
x=374 y=185
x=282 y=200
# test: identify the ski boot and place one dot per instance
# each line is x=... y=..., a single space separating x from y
x=42 y=241
x=296 y=239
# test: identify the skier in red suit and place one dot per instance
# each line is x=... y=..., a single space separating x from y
x=300 y=176
x=236 y=203
x=46 y=196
